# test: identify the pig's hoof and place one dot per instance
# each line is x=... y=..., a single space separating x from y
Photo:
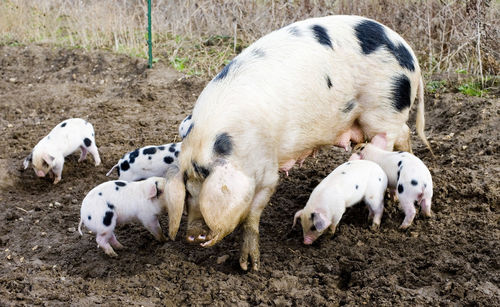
x=375 y=227
x=404 y=226
x=197 y=233
x=112 y=254
x=57 y=180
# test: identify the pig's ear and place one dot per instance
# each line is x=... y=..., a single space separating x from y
x=320 y=221
x=297 y=216
x=27 y=160
x=175 y=193
x=152 y=190
x=49 y=159
x=225 y=198
x=380 y=140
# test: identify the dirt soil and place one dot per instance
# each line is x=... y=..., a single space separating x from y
x=450 y=259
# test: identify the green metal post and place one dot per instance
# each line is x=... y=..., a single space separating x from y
x=150 y=43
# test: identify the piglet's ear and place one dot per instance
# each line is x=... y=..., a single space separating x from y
x=49 y=159
x=297 y=216
x=380 y=140
x=152 y=191
x=320 y=221
x=27 y=160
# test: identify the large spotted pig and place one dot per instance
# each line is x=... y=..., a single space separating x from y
x=148 y=161
x=48 y=155
x=118 y=202
x=406 y=173
x=313 y=83
x=349 y=184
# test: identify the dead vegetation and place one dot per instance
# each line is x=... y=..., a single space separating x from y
x=199 y=37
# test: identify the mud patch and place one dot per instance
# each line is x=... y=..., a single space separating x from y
x=452 y=258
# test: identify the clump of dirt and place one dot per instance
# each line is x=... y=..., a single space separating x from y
x=452 y=258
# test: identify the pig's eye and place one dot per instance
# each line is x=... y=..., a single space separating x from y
x=313 y=228
x=45 y=164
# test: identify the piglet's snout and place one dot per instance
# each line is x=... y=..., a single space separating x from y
x=40 y=173
x=308 y=240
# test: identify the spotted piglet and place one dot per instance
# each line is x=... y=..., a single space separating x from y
x=119 y=202
x=146 y=162
x=48 y=155
x=405 y=172
x=185 y=126
x=346 y=186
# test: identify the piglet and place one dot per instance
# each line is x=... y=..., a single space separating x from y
x=346 y=186
x=48 y=155
x=118 y=202
x=148 y=161
x=406 y=173
x=185 y=126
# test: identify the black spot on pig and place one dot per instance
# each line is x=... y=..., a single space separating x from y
x=87 y=142
x=328 y=81
x=371 y=36
x=100 y=193
x=168 y=159
x=343 y=173
x=176 y=154
x=110 y=205
x=321 y=35
x=149 y=151
x=63 y=125
x=202 y=171
x=357 y=186
x=349 y=106
x=89 y=217
x=414 y=182
x=399 y=172
x=293 y=30
x=172 y=148
x=401 y=91
x=189 y=129
x=189 y=117
x=258 y=53
x=400 y=188
x=117 y=188
x=425 y=185
x=224 y=71
x=380 y=179
x=108 y=216
x=120 y=183
x=223 y=144
x=124 y=166
x=161 y=147
x=399 y=163
x=134 y=154
x=149 y=158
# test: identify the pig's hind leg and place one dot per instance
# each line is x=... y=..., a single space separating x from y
x=94 y=152
x=103 y=242
x=376 y=208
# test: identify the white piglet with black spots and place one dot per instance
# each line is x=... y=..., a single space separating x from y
x=408 y=176
x=118 y=202
x=148 y=161
x=349 y=184
x=67 y=137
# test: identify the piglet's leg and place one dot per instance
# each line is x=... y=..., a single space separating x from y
x=114 y=242
x=153 y=225
x=57 y=171
x=83 y=155
x=426 y=207
x=103 y=242
x=409 y=210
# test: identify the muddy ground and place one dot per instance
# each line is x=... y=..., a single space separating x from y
x=453 y=258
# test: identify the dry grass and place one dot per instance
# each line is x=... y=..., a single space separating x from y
x=198 y=37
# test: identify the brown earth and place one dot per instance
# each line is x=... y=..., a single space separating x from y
x=451 y=259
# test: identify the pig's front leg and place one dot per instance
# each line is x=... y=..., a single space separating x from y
x=153 y=225
x=57 y=171
x=250 y=246
x=197 y=230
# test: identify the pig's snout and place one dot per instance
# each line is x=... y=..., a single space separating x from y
x=40 y=173
x=308 y=240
